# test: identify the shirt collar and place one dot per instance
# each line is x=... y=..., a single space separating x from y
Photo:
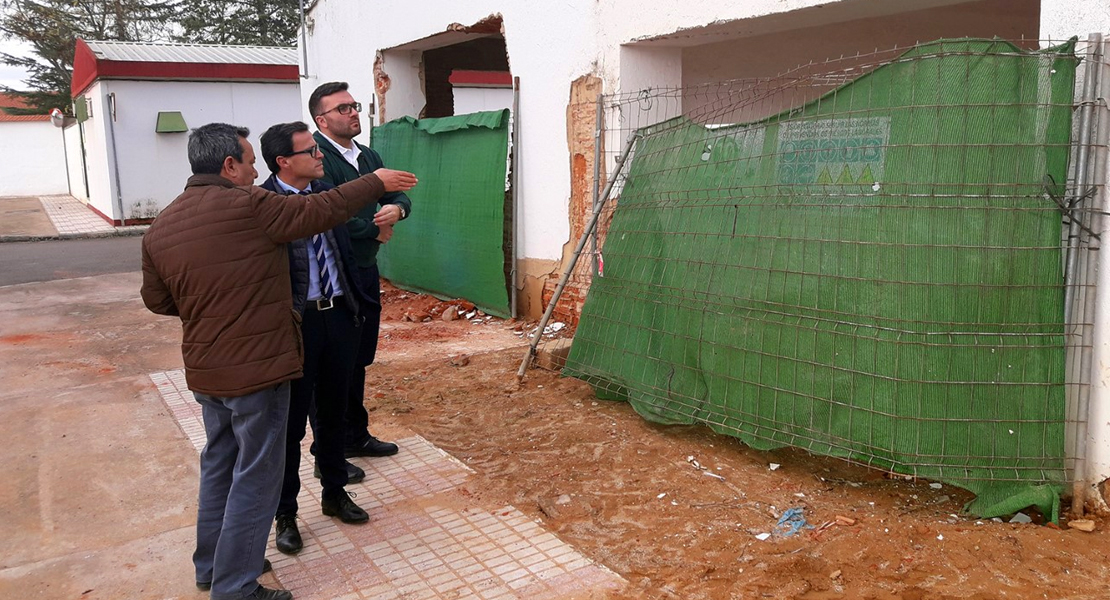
x=350 y=154
x=289 y=188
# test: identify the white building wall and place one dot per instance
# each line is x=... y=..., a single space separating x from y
x=98 y=161
x=551 y=44
x=1061 y=19
x=548 y=43
x=405 y=96
x=153 y=166
x=75 y=165
x=480 y=99
x=34 y=163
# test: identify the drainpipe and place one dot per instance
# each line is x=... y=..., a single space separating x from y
x=115 y=155
x=513 y=243
x=84 y=162
x=304 y=42
x=65 y=156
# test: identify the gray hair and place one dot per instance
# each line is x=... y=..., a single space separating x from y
x=210 y=144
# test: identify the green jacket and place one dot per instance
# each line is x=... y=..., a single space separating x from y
x=363 y=231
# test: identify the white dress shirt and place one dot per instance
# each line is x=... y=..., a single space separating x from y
x=349 y=154
x=314 y=288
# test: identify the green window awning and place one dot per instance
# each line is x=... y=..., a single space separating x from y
x=81 y=109
x=171 y=122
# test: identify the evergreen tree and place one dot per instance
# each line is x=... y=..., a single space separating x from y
x=52 y=27
x=240 y=22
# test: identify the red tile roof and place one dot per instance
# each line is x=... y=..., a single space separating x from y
x=16 y=101
x=12 y=101
x=6 y=118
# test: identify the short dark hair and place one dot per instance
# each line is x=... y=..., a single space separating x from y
x=278 y=141
x=210 y=144
x=318 y=94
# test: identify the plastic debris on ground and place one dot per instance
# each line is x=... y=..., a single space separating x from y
x=705 y=470
x=792 y=521
x=552 y=330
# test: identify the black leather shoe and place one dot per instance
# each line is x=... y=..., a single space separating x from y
x=340 y=505
x=354 y=474
x=205 y=586
x=265 y=593
x=371 y=446
x=288 y=536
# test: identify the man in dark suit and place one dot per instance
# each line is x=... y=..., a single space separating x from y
x=327 y=294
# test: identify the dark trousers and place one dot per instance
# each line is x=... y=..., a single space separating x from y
x=357 y=418
x=330 y=343
x=238 y=487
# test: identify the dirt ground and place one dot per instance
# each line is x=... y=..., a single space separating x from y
x=680 y=512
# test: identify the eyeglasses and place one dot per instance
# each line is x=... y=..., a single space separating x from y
x=345 y=109
x=311 y=151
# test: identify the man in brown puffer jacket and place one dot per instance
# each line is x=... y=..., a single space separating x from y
x=216 y=258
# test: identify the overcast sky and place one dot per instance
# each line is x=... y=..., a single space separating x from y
x=11 y=76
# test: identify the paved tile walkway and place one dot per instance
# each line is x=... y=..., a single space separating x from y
x=71 y=216
x=423 y=541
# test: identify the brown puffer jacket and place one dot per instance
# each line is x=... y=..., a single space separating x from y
x=216 y=257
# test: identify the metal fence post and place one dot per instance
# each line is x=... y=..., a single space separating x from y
x=598 y=157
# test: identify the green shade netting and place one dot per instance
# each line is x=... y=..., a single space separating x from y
x=874 y=276
x=453 y=243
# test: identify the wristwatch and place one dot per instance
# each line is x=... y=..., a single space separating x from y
x=403 y=213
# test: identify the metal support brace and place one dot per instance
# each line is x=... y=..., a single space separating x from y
x=574 y=259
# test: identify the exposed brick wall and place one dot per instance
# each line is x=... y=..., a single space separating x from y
x=581 y=130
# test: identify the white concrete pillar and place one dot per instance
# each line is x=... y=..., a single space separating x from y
x=1098 y=425
x=1062 y=19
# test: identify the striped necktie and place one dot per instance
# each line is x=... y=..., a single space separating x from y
x=325 y=277
x=318 y=249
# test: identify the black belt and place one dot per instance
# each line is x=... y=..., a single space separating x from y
x=322 y=304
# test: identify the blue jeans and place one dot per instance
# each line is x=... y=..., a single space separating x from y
x=240 y=481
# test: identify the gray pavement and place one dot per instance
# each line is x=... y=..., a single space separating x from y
x=47 y=260
x=31 y=218
x=99 y=471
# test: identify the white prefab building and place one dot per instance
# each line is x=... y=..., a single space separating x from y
x=36 y=162
x=135 y=103
x=566 y=53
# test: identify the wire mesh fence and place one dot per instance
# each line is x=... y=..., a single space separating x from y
x=865 y=258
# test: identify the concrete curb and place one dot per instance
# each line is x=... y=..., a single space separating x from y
x=84 y=235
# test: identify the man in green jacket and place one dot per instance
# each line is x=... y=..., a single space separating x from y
x=336 y=115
